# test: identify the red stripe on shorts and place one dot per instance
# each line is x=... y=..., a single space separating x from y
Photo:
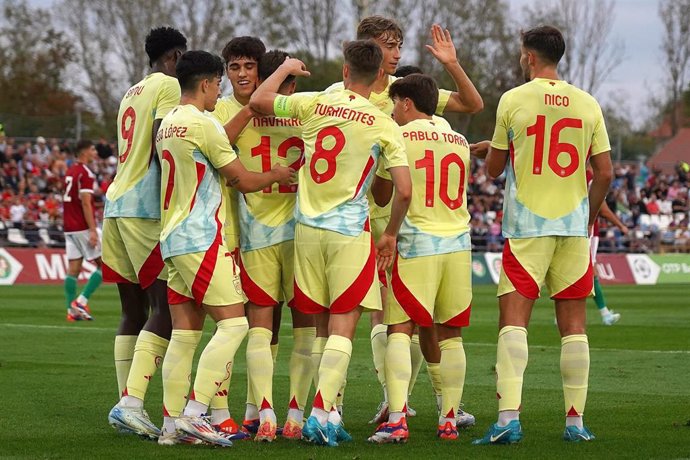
x=253 y=291
x=413 y=307
x=153 y=266
x=208 y=265
x=581 y=288
x=304 y=304
x=522 y=281
x=111 y=276
x=461 y=320
x=353 y=295
x=175 y=297
x=383 y=279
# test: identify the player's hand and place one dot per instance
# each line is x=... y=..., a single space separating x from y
x=590 y=230
x=284 y=175
x=385 y=251
x=624 y=230
x=295 y=67
x=442 y=46
x=480 y=149
x=93 y=238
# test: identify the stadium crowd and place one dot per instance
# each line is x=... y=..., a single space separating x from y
x=654 y=205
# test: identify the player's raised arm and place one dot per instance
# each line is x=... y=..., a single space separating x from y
x=466 y=99
x=247 y=181
x=236 y=125
x=264 y=96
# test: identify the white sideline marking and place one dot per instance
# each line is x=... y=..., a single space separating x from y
x=471 y=344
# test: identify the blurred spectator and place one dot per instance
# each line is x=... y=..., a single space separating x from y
x=103 y=148
x=17 y=211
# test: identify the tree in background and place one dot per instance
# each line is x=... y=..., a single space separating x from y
x=591 y=52
x=675 y=16
x=34 y=54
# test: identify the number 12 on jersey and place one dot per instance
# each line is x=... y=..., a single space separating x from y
x=429 y=165
x=264 y=151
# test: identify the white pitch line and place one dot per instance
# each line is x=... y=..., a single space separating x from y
x=90 y=328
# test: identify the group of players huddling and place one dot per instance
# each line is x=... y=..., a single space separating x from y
x=335 y=203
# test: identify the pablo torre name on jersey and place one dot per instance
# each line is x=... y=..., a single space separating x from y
x=421 y=135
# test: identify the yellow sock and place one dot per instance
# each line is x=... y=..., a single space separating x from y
x=434 y=371
x=453 y=366
x=398 y=370
x=316 y=354
x=379 y=339
x=301 y=370
x=177 y=370
x=260 y=366
x=575 y=373
x=123 y=353
x=417 y=360
x=274 y=351
x=217 y=357
x=220 y=399
x=332 y=371
x=148 y=355
x=341 y=394
x=511 y=361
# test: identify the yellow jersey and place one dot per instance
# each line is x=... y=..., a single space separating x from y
x=437 y=221
x=550 y=129
x=267 y=217
x=192 y=146
x=344 y=137
x=135 y=191
x=383 y=102
x=226 y=109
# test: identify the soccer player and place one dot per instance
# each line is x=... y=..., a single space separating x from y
x=131 y=231
x=434 y=240
x=426 y=338
x=267 y=228
x=335 y=263
x=608 y=317
x=197 y=158
x=81 y=235
x=389 y=36
x=241 y=55
x=545 y=131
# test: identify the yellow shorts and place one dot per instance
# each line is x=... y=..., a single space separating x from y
x=334 y=272
x=268 y=274
x=563 y=263
x=202 y=277
x=378 y=226
x=131 y=251
x=431 y=289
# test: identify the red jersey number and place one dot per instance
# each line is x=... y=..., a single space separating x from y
x=326 y=154
x=556 y=147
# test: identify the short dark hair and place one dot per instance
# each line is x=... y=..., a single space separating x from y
x=421 y=89
x=405 y=70
x=269 y=63
x=161 y=40
x=82 y=145
x=547 y=41
x=377 y=26
x=247 y=47
x=194 y=66
x=364 y=58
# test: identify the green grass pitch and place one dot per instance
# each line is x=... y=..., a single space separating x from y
x=58 y=384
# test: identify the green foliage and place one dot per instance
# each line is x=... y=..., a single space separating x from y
x=59 y=384
x=34 y=56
